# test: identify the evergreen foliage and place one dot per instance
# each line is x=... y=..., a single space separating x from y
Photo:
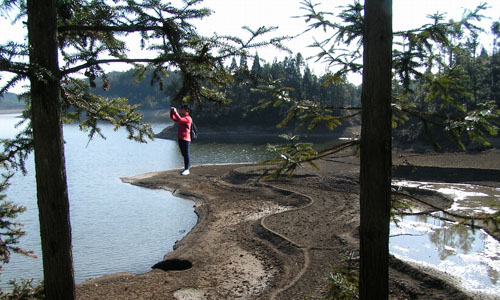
x=445 y=87
x=88 y=34
x=10 y=231
x=343 y=280
x=250 y=104
x=147 y=92
x=247 y=104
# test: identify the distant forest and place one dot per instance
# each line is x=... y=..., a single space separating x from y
x=153 y=93
x=479 y=74
x=474 y=70
x=10 y=101
x=293 y=72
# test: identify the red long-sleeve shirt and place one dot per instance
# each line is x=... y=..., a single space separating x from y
x=183 y=125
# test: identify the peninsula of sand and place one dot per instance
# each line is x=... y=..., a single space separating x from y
x=279 y=239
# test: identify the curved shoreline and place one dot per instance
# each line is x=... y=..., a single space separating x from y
x=260 y=241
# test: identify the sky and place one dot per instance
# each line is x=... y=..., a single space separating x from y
x=230 y=16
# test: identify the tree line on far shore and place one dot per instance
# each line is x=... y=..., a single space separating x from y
x=476 y=70
x=10 y=101
x=156 y=93
x=153 y=92
x=475 y=74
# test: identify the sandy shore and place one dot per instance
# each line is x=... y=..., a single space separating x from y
x=279 y=239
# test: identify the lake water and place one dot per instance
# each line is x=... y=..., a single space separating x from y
x=472 y=257
x=116 y=227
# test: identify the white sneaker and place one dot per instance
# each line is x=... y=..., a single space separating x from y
x=185 y=172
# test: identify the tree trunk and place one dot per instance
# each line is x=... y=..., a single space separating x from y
x=375 y=172
x=52 y=194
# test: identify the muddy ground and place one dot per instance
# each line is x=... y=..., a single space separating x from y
x=280 y=239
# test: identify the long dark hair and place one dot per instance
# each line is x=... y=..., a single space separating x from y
x=186 y=108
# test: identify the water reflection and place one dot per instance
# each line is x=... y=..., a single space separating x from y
x=472 y=256
x=448 y=239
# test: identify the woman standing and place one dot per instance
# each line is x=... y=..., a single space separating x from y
x=184 y=123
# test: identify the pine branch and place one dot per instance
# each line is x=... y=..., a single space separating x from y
x=104 y=28
x=337 y=148
x=341 y=108
x=485 y=217
x=295 y=154
x=424 y=116
x=116 y=60
x=16 y=151
x=13 y=67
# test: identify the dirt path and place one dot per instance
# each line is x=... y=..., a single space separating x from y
x=272 y=240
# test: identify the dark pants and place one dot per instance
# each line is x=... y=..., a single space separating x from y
x=184 y=146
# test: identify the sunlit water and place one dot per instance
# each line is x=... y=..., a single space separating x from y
x=472 y=257
x=116 y=227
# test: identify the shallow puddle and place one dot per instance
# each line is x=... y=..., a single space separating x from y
x=471 y=256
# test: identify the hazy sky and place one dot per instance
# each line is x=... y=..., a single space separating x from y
x=230 y=15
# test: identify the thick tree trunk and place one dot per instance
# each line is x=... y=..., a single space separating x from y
x=53 y=204
x=375 y=172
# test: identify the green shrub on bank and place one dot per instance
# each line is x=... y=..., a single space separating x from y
x=26 y=290
x=343 y=280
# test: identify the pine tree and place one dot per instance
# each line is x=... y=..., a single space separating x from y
x=495 y=63
x=256 y=68
x=234 y=66
x=243 y=63
x=83 y=32
x=375 y=151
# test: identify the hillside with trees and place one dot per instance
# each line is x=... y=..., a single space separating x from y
x=248 y=99
x=155 y=93
x=140 y=90
x=10 y=101
x=468 y=80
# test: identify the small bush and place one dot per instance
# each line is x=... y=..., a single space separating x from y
x=24 y=291
x=343 y=280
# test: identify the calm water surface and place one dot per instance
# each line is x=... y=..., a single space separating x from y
x=472 y=257
x=116 y=227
